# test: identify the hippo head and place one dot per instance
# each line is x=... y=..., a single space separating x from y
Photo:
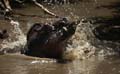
x=45 y=40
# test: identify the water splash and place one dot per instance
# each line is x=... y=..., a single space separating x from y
x=84 y=44
x=14 y=46
x=80 y=48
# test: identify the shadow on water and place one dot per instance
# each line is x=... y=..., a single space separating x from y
x=108 y=27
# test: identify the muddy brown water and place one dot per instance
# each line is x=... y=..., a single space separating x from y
x=20 y=64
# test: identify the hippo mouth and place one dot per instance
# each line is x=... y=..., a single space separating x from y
x=49 y=41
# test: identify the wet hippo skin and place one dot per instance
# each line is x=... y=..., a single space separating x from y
x=45 y=40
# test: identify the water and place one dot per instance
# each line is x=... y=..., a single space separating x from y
x=28 y=65
x=9 y=45
x=88 y=54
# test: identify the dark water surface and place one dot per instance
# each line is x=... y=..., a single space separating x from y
x=19 y=64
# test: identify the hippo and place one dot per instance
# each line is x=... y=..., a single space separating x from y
x=49 y=41
x=4 y=34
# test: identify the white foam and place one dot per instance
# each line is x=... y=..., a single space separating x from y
x=19 y=35
x=80 y=43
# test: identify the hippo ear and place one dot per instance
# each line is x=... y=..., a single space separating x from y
x=64 y=19
x=37 y=26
